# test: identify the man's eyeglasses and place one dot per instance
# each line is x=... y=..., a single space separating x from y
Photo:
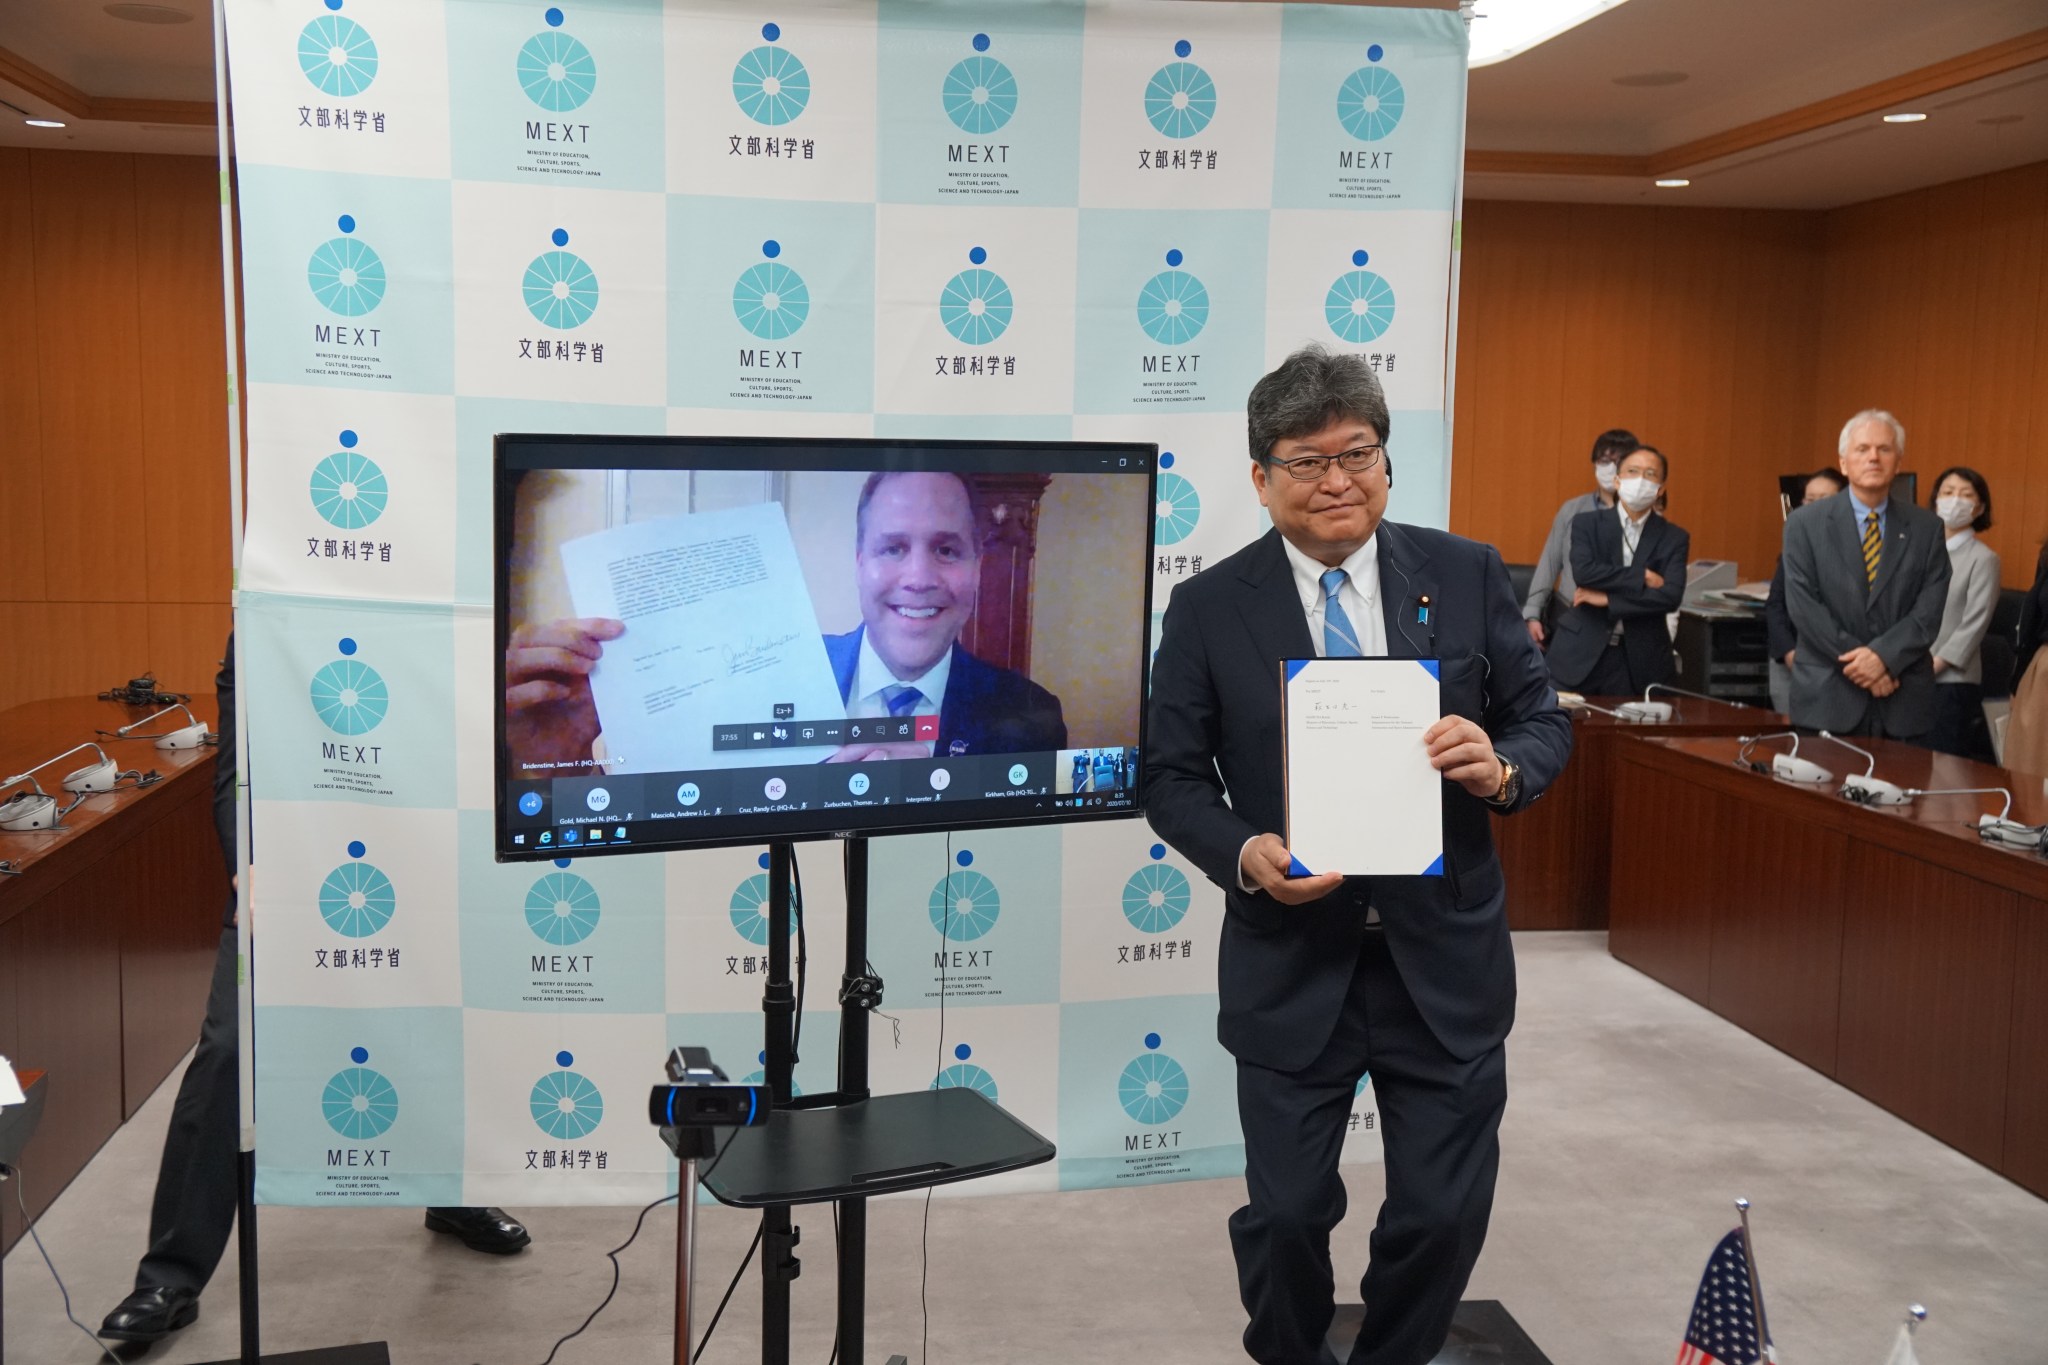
x=1309 y=468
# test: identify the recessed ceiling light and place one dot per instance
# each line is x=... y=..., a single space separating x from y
x=147 y=14
x=1905 y=118
x=1645 y=80
x=43 y=123
x=1672 y=184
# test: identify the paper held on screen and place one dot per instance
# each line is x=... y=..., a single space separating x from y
x=719 y=629
x=10 y=1086
x=1362 y=798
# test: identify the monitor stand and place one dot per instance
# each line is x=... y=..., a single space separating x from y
x=846 y=1146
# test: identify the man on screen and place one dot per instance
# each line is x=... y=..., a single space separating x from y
x=917 y=562
x=1323 y=979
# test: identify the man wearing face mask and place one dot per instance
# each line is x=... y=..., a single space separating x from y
x=1781 y=640
x=1556 y=559
x=1629 y=564
x=1866 y=577
x=1962 y=499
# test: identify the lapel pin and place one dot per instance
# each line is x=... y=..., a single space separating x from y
x=1422 y=611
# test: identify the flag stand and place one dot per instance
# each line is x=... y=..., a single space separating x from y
x=1756 y=1297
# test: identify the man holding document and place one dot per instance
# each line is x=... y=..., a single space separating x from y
x=715 y=605
x=1445 y=709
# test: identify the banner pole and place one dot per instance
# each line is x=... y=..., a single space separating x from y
x=245 y=1050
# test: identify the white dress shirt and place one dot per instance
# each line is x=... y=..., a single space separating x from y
x=1360 y=598
x=872 y=677
x=1360 y=595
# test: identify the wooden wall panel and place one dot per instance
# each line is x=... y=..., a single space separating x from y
x=1694 y=328
x=1932 y=306
x=22 y=566
x=89 y=360
x=184 y=384
x=113 y=485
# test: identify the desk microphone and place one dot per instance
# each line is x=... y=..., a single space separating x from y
x=25 y=812
x=184 y=737
x=1661 y=710
x=1788 y=766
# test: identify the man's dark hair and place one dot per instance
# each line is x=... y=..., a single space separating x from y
x=882 y=476
x=1663 y=464
x=1833 y=476
x=1614 y=446
x=1310 y=390
x=1976 y=481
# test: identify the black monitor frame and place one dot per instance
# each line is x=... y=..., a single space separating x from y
x=793 y=454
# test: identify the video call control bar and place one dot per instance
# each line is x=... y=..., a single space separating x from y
x=799 y=734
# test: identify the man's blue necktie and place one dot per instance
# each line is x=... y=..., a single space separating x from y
x=1340 y=641
x=901 y=699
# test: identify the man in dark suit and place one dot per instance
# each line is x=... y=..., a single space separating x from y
x=1628 y=567
x=1322 y=979
x=193 y=1209
x=917 y=561
x=1866 y=578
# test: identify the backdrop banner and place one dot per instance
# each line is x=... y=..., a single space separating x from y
x=948 y=218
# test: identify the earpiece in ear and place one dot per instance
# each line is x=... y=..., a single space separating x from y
x=1388 y=460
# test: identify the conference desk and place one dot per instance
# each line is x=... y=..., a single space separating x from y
x=1887 y=947
x=1555 y=854
x=107 y=936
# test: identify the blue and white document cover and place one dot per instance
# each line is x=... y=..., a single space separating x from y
x=1362 y=798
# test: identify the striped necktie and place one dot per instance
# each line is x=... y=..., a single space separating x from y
x=901 y=699
x=1873 y=549
x=1340 y=641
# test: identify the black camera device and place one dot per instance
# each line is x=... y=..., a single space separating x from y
x=699 y=1095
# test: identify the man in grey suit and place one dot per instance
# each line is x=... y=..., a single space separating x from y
x=1866 y=577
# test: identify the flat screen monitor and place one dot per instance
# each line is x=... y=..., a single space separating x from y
x=707 y=641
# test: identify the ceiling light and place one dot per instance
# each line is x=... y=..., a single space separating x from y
x=148 y=14
x=1672 y=184
x=1502 y=30
x=43 y=123
x=1905 y=118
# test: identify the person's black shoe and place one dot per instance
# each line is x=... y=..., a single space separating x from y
x=151 y=1315
x=491 y=1231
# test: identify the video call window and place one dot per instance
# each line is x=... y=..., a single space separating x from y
x=715 y=641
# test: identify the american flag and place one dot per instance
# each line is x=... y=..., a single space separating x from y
x=1723 y=1329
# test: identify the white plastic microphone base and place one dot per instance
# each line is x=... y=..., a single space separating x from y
x=186 y=737
x=1650 y=712
x=93 y=778
x=27 y=812
x=1801 y=770
x=1873 y=791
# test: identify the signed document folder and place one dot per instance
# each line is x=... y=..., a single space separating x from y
x=1362 y=798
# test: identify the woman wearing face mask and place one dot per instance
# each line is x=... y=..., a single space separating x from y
x=1629 y=563
x=1556 y=559
x=1963 y=502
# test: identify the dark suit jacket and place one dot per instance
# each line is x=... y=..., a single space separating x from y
x=1213 y=780
x=1780 y=638
x=1836 y=609
x=986 y=709
x=224 y=765
x=1596 y=563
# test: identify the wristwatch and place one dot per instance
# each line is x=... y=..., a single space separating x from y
x=1510 y=785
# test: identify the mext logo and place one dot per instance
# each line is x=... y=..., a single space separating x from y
x=360 y=1104
x=1152 y=1089
x=351 y=699
x=964 y=906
